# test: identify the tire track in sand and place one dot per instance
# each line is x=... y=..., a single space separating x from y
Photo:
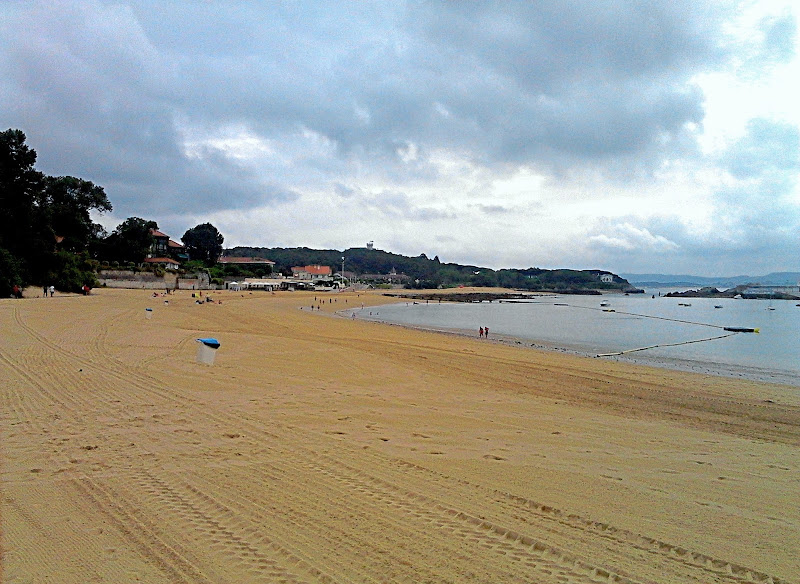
x=381 y=488
x=173 y=559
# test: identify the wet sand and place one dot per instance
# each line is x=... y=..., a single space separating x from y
x=337 y=450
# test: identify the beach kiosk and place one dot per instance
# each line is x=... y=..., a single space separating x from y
x=207 y=350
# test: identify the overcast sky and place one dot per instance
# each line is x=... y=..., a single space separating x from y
x=631 y=136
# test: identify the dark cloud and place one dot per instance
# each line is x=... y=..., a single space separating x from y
x=563 y=82
x=343 y=191
x=767 y=147
x=666 y=241
x=494 y=209
x=780 y=36
x=758 y=211
x=548 y=82
x=398 y=205
x=134 y=94
x=755 y=221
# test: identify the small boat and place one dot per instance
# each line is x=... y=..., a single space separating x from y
x=605 y=303
x=718 y=306
x=684 y=304
x=739 y=329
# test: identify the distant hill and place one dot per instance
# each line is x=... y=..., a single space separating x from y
x=423 y=272
x=655 y=280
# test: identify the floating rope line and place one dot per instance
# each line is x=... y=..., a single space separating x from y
x=731 y=330
x=665 y=345
x=647 y=316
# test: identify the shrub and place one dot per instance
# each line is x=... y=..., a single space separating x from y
x=70 y=272
x=10 y=273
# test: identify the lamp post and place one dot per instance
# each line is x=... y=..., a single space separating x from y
x=342 y=271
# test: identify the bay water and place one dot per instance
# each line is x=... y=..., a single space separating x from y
x=674 y=335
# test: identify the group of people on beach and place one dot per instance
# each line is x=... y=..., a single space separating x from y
x=47 y=291
x=483 y=332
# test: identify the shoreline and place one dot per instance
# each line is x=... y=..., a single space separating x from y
x=761 y=375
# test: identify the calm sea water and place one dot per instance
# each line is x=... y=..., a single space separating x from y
x=579 y=323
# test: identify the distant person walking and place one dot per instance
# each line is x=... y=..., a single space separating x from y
x=486 y=332
x=44 y=291
x=52 y=291
x=480 y=332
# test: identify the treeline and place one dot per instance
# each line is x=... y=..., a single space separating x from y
x=425 y=273
x=47 y=236
x=45 y=225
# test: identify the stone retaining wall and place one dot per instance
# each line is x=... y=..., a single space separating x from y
x=150 y=281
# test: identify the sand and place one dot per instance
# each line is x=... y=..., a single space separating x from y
x=324 y=449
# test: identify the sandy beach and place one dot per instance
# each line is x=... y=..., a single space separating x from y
x=326 y=449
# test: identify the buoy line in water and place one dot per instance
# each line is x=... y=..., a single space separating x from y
x=665 y=345
x=648 y=316
x=731 y=330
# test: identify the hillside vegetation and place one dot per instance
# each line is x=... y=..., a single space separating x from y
x=423 y=272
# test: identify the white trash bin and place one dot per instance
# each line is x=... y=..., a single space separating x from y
x=148 y=313
x=207 y=350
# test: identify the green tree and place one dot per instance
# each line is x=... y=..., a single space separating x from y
x=42 y=216
x=20 y=191
x=65 y=210
x=69 y=272
x=9 y=273
x=129 y=242
x=203 y=242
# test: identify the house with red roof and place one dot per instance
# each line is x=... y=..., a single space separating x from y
x=177 y=250
x=164 y=251
x=313 y=273
x=160 y=246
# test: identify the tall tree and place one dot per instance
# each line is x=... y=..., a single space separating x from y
x=20 y=191
x=66 y=207
x=129 y=242
x=42 y=218
x=203 y=242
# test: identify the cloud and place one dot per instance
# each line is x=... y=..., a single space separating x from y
x=400 y=206
x=624 y=236
x=767 y=147
x=779 y=36
x=445 y=118
x=493 y=209
x=343 y=191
